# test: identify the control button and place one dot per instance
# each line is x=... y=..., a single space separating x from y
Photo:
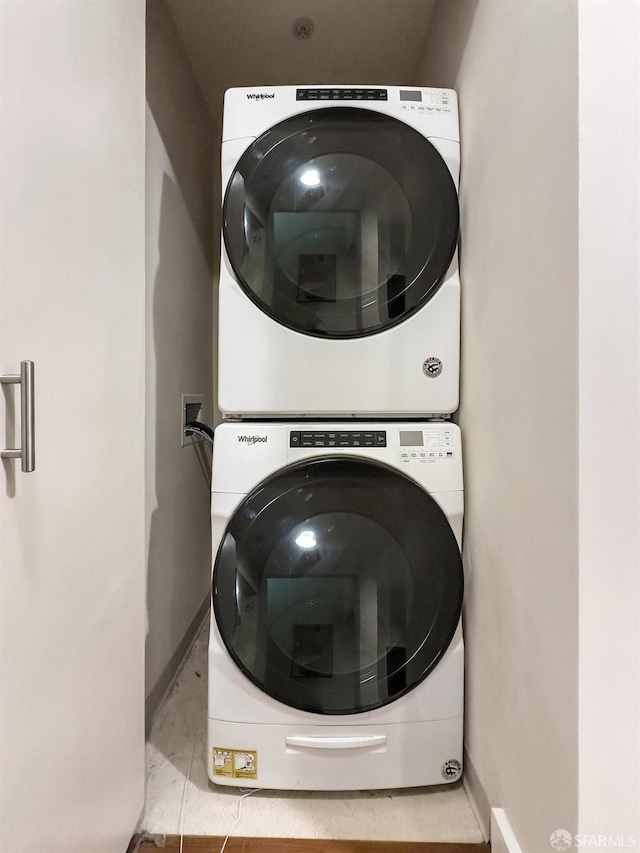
x=423 y=456
x=294 y=439
x=381 y=438
x=404 y=456
x=449 y=454
x=432 y=455
x=414 y=455
x=440 y=455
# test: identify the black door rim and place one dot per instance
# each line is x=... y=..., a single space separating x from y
x=441 y=617
x=428 y=187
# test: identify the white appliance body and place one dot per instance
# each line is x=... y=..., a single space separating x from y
x=266 y=367
x=411 y=741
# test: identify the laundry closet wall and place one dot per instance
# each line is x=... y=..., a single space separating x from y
x=180 y=318
x=515 y=67
x=550 y=264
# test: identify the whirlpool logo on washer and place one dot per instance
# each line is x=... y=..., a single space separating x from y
x=252 y=439
x=260 y=96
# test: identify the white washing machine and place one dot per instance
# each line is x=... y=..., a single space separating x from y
x=336 y=650
x=339 y=286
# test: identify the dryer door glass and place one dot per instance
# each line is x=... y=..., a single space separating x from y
x=338 y=585
x=340 y=222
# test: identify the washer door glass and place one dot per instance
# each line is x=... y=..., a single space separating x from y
x=340 y=222
x=338 y=585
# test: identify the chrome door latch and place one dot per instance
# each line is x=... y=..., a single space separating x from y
x=26 y=380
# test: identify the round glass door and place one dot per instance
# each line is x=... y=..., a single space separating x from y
x=338 y=585
x=340 y=222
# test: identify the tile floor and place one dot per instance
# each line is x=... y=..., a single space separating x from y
x=180 y=799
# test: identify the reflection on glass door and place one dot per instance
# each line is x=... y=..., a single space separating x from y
x=341 y=222
x=338 y=591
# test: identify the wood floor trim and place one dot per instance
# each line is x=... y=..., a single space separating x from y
x=212 y=844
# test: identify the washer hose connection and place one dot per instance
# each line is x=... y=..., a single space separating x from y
x=199 y=429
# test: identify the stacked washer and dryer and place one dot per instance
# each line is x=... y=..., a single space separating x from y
x=336 y=650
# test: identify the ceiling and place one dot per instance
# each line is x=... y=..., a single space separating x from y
x=252 y=42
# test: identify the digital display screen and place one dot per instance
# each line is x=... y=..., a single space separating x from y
x=411 y=438
x=406 y=95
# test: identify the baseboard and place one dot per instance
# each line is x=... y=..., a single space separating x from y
x=211 y=844
x=503 y=839
x=165 y=682
x=477 y=796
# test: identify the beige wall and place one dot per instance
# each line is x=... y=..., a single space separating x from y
x=610 y=400
x=179 y=214
x=514 y=64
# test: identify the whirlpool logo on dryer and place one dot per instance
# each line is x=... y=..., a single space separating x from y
x=252 y=439
x=260 y=96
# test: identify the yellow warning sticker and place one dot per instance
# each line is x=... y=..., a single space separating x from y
x=235 y=763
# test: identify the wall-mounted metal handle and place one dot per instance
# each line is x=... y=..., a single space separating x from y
x=27 y=451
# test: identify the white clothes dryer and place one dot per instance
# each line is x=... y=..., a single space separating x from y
x=336 y=649
x=339 y=286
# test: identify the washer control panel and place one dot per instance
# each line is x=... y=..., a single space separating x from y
x=429 y=444
x=334 y=438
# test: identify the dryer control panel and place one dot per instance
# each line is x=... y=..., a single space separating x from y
x=341 y=94
x=435 y=101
